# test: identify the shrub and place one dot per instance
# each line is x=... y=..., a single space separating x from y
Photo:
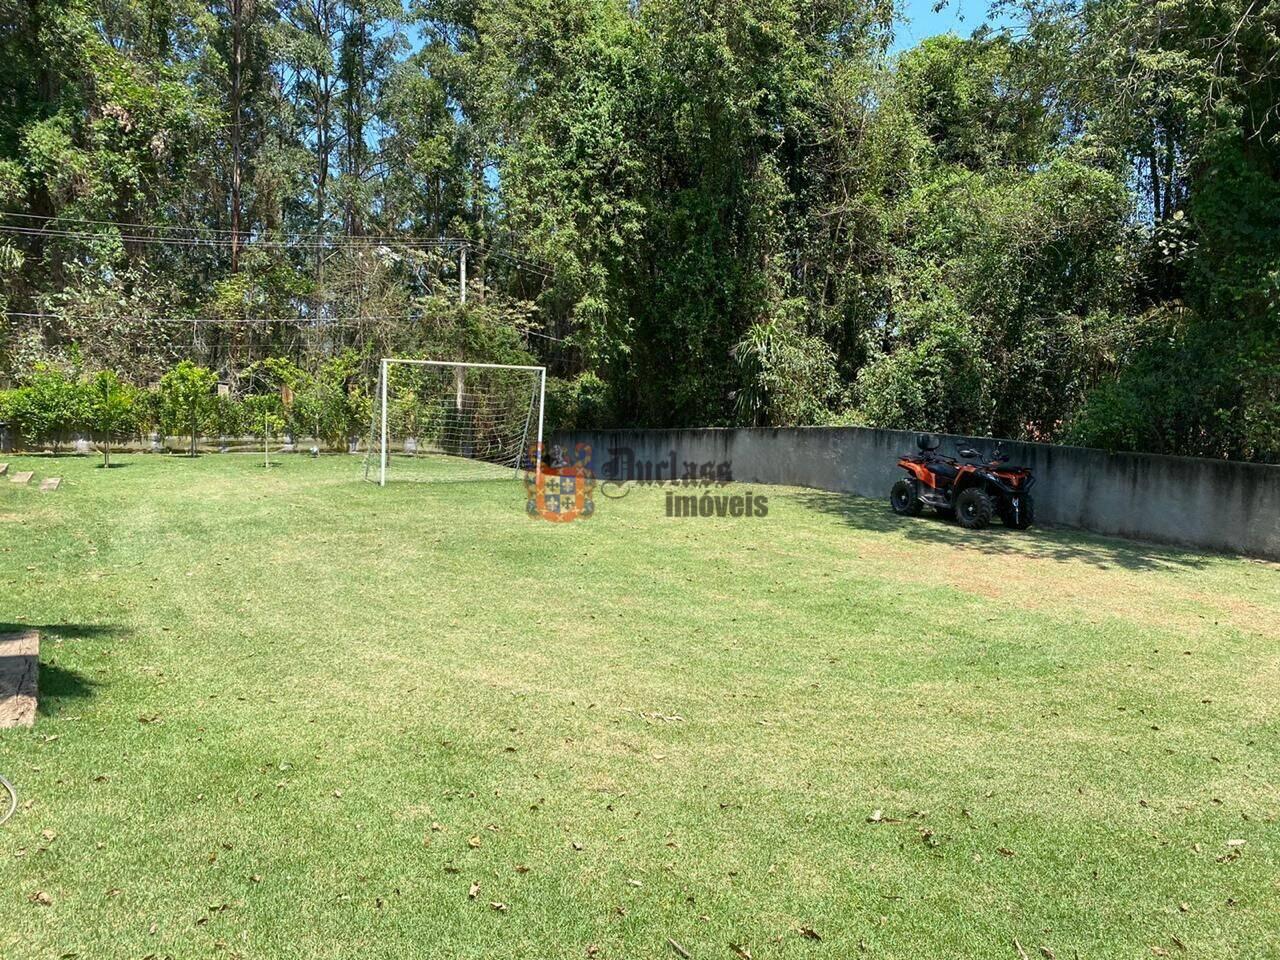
x=583 y=403
x=227 y=416
x=935 y=384
x=264 y=415
x=110 y=411
x=49 y=407
x=186 y=394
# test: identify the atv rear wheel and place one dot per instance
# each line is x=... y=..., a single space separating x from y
x=905 y=498
x=1023 y=517
x=973 y=509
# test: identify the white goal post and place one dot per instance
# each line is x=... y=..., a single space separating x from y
x=448 y=420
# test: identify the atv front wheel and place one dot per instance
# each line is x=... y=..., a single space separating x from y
x=1023 y=516
x=973 y=509
x=905 y=498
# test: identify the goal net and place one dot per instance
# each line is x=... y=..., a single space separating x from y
x=438 y=420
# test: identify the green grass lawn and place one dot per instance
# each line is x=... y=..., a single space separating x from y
x=289 y=714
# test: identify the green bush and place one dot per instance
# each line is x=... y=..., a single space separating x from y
x=227 y=416
x=110 y=410
x=583 y=403
x=264 y=415
x=935 y=384
x=187 y=396
x=8 y=406
x=49 y=408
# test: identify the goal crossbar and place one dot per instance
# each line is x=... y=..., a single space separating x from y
x=459 y=363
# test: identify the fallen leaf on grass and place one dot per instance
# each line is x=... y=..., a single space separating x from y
x=473 y=842
x=1005 y=851
x=809 y=933
x=474 y=891
x=740 y=951
x=678 y=949
x=1046 y=953
x=500 y=907
x=877 y=816
x=1021 y=953
x=41 y=898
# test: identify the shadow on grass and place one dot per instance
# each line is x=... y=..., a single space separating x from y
x=56 y=686
x=1038 y=543
x=59 y=687
x=67 y=631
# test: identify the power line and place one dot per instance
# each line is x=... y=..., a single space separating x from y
x=214 y=320
x=217 y=237
x=219 y=242
x=349 y=321
x=221 y=232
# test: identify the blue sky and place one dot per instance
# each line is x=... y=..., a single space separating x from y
x=919 y=20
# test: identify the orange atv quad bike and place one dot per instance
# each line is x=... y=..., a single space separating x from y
x=970 y=492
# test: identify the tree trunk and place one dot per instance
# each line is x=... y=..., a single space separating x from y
x=1154 y=160
x=1170 y=160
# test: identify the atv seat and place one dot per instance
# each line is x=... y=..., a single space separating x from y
x=942 y=468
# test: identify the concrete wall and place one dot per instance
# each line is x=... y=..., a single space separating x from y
x=1211 y=504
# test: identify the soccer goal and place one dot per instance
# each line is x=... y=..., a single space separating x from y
x=441 y=420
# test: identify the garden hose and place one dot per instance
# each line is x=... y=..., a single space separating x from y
x=13 y=799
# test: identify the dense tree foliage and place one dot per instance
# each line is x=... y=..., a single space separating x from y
x=694 y=211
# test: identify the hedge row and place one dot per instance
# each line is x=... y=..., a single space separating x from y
x=53 y=406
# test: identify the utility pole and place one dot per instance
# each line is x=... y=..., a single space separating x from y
x=237 y=82
x=462 y=274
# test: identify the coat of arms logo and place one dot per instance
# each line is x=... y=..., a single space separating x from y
x=559 y=489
